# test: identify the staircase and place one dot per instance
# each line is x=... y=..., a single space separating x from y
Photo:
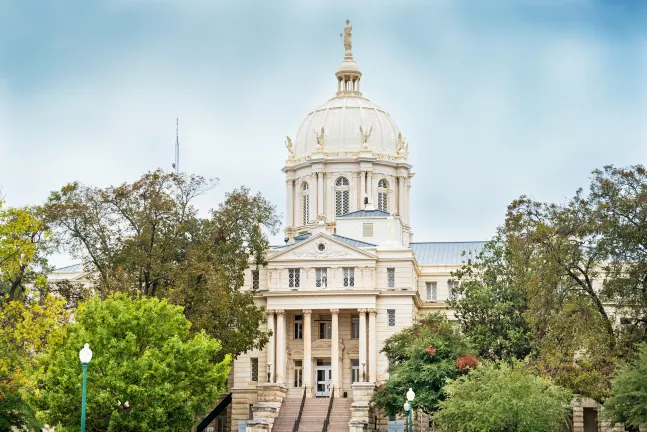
x=314 y=413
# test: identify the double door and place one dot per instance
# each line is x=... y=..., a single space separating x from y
x=323 y=380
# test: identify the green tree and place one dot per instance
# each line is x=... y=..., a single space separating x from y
x=422 y=357
x=27 y=331
x=502 y=397
x=146 y=238
x=628 y=401
x=143 y=353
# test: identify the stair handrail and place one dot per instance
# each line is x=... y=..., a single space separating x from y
x=295 y=428
x=214 y=413
x=327 y=420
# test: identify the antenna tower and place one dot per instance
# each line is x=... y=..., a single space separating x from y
x=176 y=164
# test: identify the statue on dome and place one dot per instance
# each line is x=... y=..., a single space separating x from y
x=403 y=145
x=347 y=36
x=320 y=139
x=365 y=135
x=289 y=146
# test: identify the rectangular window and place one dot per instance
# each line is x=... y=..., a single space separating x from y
x=354 y=327
x=390 y=277
x=254 y=369
x=452 y=285
x=294 y=278
x=298 y=373
x=354 y=370
x=391 y=315
x=432 y=292
x=349 y=276
x=325 y=330
x=221 y=424
x=321 y=277
x=298 y=326
x=368 y=230
x=255 y=280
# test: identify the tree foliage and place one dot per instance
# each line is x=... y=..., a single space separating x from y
x=501 y=397
x=422 y=357
x=628 y=401
x=143 y=353
x=146 y=238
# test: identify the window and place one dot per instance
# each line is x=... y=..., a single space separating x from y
x=349 y=276
x=354 y=364
x=255 y=280
x=254 y=369
x=221 y=424
x=342 y=192
x=305 y=195
x=294 y=279
x=298 y=326
x=325 y=329
x=391 y=314
x=354 y=327
x=432 y=293
x=367 y=230
x=383 y=195
x=390 y=277
x=452 y=286
x=321 y=277
x=298 y=373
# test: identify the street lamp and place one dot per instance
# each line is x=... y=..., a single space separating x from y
x=269 y=372
x=363 y=371
x=408 y=407
x=85 y=355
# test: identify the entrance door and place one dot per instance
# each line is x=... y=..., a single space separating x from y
x=323 y=378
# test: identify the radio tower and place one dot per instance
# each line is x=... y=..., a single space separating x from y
x=176 y=164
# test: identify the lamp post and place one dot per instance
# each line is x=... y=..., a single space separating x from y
x=269 y=372
x=363 y=371
x=407 y=409
x=85 y=355
x=409 y=403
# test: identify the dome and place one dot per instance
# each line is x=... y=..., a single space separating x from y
x=341 y=118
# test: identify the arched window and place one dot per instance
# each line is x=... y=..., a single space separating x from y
x=305 y=198
x=383 y=195
x=342 y=192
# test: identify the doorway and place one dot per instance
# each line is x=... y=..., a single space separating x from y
x=590 y=420
x=323 y=378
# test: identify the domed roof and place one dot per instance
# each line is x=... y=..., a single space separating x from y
x=341 y=118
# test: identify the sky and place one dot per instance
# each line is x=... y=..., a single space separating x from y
x=497 y=98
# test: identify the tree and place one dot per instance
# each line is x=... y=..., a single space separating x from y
x=146 y=238
x=628 y=401
x=501 y=397
x=27 y=331
x=143 y=354
x=490 y=303
x=422 y=357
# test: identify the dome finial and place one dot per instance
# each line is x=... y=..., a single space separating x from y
x=348 y=74
x=347 y=35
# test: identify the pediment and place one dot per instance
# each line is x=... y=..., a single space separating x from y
x=321 y=247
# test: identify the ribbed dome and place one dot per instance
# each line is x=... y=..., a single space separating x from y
x=341 y=118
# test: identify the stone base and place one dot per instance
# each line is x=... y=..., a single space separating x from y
x=258 y=426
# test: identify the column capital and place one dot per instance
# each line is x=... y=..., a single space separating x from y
x=372 y=311
x=270 y=312
x=362 y=310
x=307 y=311
x=290 y=180
x=280 y=312
x=334 y=311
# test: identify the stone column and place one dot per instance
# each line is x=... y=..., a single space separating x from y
x=320 y=189
x=334 y=350
x=362 y=344
x=362 y=189
x=401 y=197
x=407 y=195
x=369 y=187
x=289 y=194
x=372 y=346
x=307 y=351
x=270 y=345
x=280 y=346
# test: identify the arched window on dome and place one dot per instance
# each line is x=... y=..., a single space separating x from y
x=342 y=192
x=383 y=195
x=305 y=199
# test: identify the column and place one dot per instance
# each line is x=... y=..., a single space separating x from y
x=362 y=345
x=372 y=346
x=307 y=351
x=334 y=350
x=369 y=187
x=289 y=193
x=401 y=196
x=362 y=189
x=270 y=345
x=280 y=346
x=320 y=208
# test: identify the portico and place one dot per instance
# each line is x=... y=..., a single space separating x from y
x=321 y=349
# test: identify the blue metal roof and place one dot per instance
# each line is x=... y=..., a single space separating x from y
x=352 y=242
x=445 y=253
x=74 y=268
x=365 y=213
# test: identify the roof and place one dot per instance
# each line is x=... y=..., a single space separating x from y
x=352 y=242
x=445 y=253
x=74 y=268
x=365 y=213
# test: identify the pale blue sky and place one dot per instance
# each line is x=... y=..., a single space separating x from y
x=497 y=98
